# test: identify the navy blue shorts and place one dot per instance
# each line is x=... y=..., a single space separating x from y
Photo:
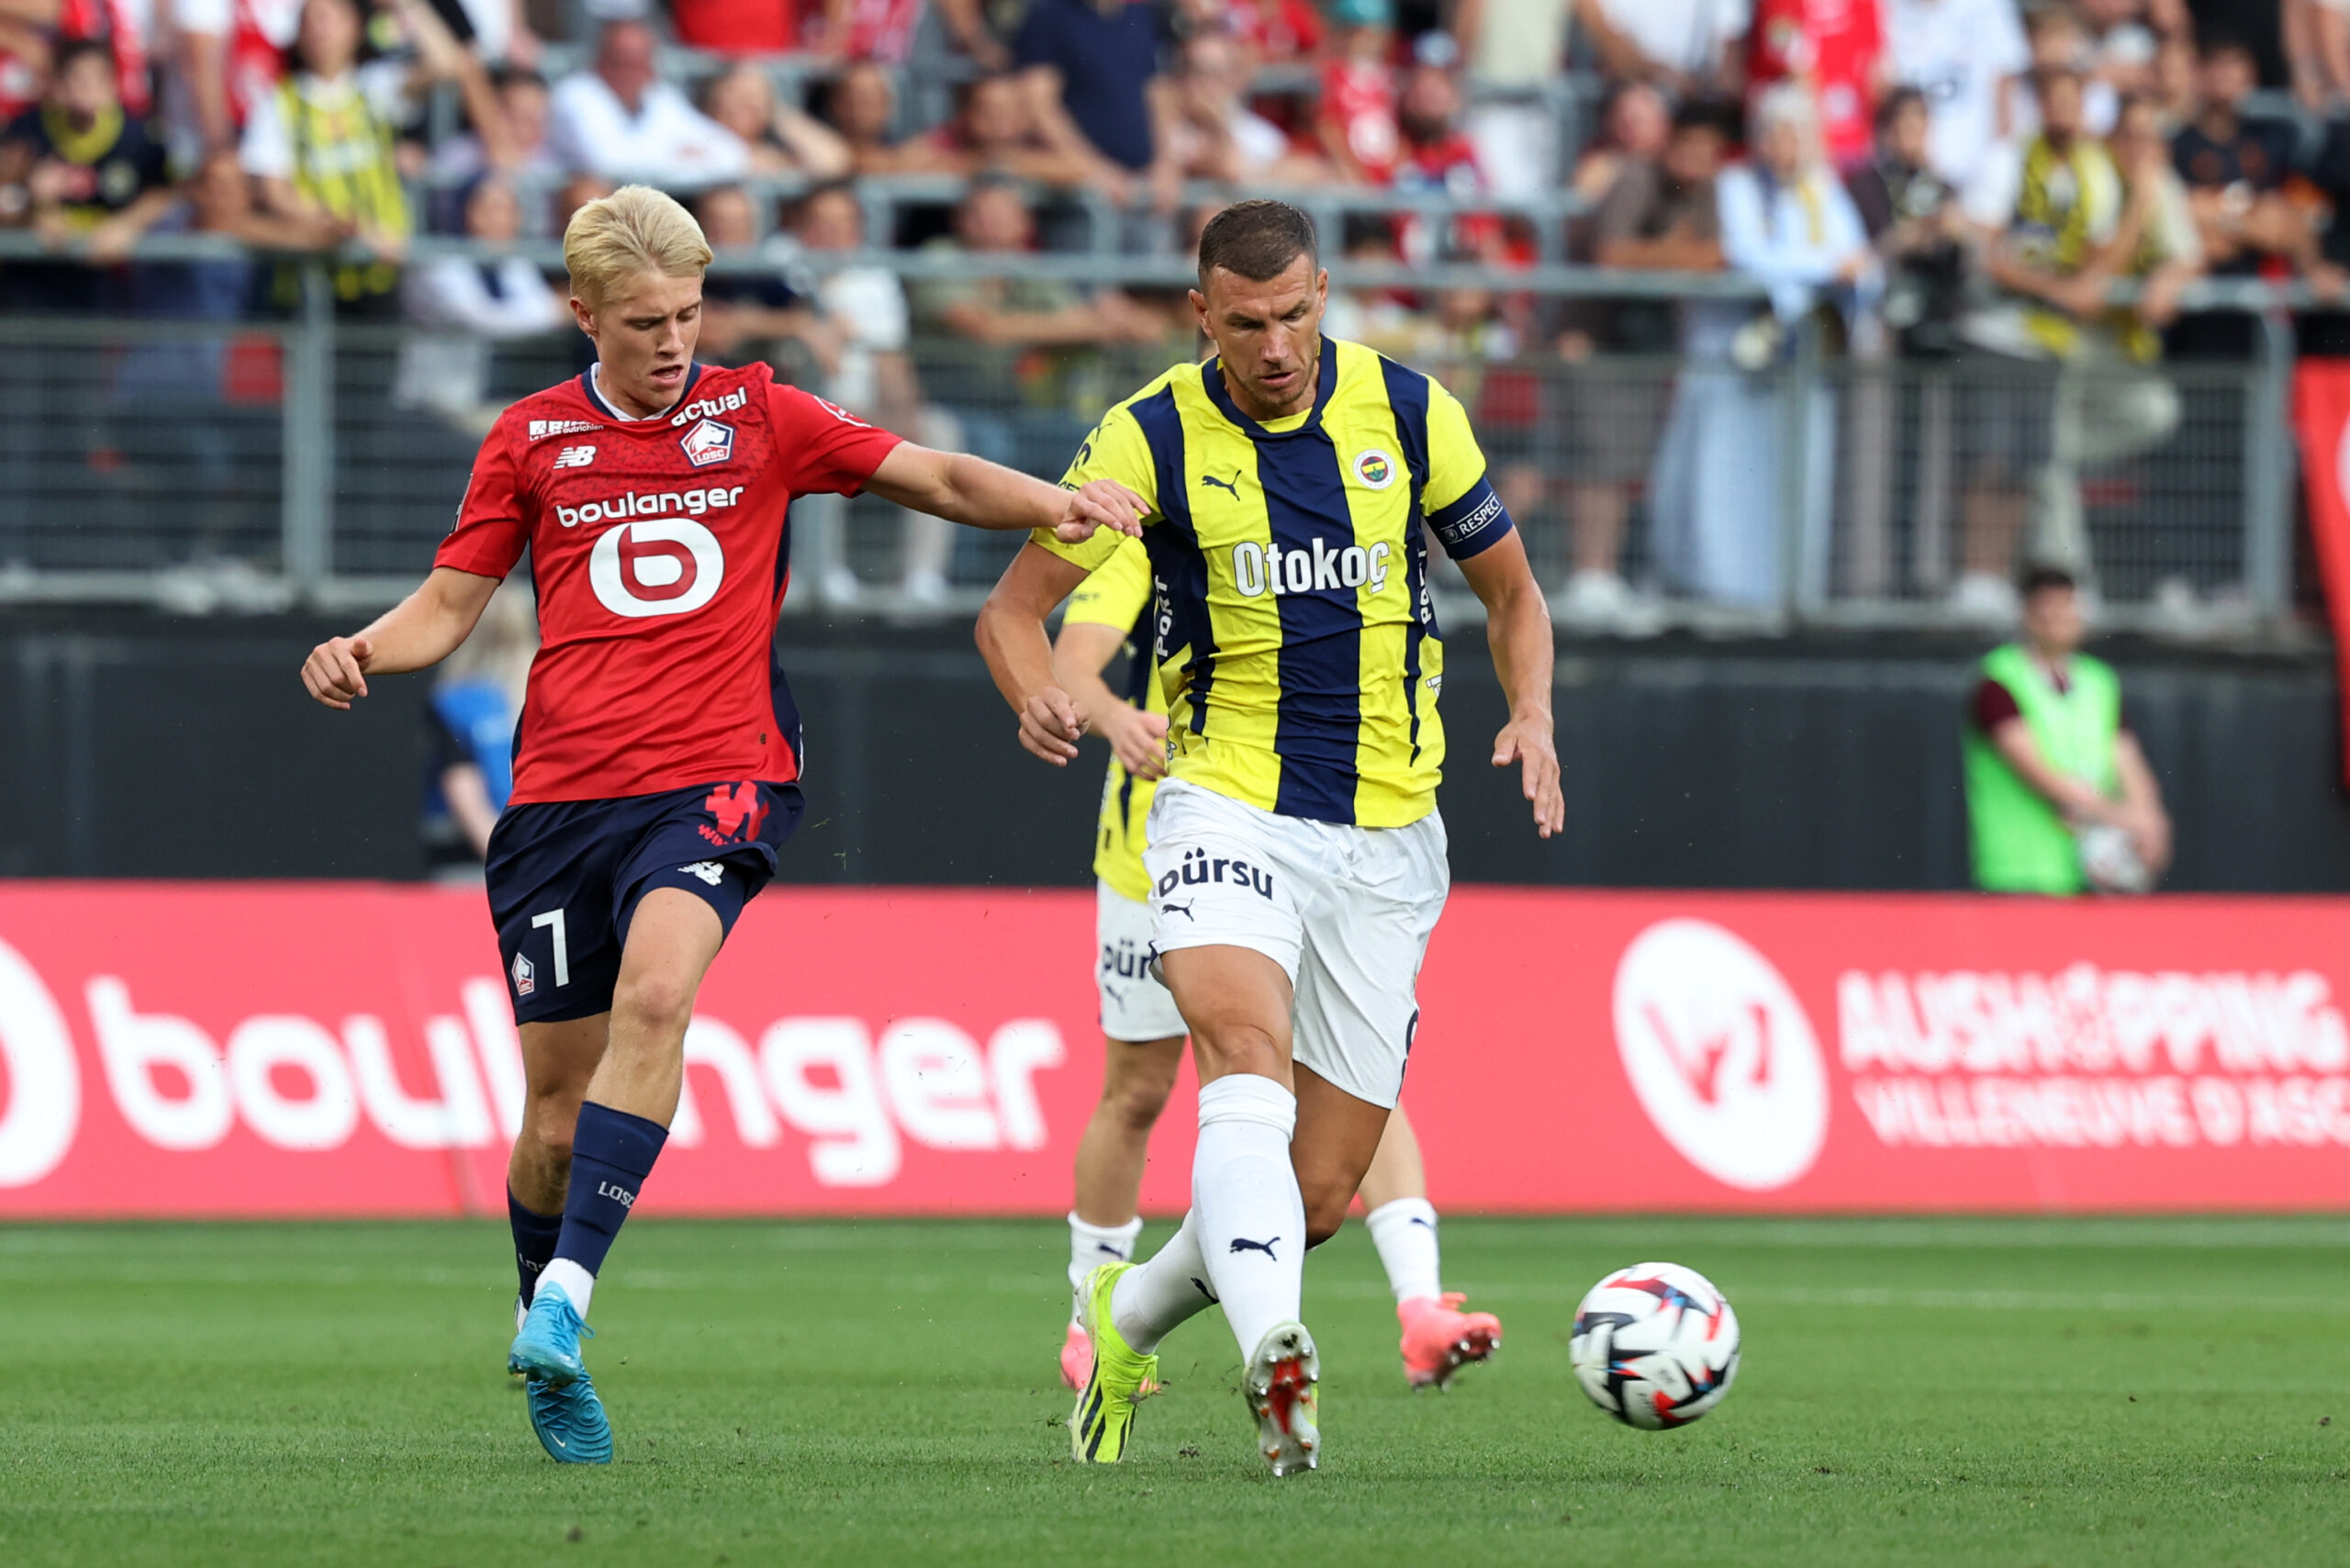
x=564 y=877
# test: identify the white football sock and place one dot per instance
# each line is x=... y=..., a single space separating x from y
x=576 y=1283
x=1147 y=1303
x=1246 y=1207
x=1404 y=1233
x=1090 y=1245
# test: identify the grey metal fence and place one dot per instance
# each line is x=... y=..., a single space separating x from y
x=255 y=465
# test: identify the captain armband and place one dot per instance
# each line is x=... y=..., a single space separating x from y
x=1472 y=524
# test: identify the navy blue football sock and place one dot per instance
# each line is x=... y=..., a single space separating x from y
x=611 y=1154
x=534 y=1240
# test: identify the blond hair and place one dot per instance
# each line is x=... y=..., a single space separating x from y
x=635 y=230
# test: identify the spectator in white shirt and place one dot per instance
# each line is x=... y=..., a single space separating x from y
x=621 y=121
x=1686 y=46
x=861 y=334
x=468 y=305
x=1965 y=56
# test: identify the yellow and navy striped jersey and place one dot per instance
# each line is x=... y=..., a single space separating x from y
x=1118 y=595
x=1296 y=635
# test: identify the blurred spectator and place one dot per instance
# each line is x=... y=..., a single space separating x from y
x=2121 y=47
x=622 y=122
x=83 y=175
x=513 y=141
x=860 y=333
x=1659 y=214
x=1514 y=49
x=1270 y=30
x=1355 y=115
x=2317 y=49
x=1435 y=156
x=1634 y=125
x=736 y=27
x=779 y=139
x=1022 y=337
x=321 y=142
x=884 y=30
x=2052 y=765
x=466 y=305
x=2062 y=226
x=1688 y=47
x=758 y=311
x=1787 y=224
x=476 y=700
x=1089 y=66
x=1835 y=48
x=2235 y=170
x=1215 y=135
x=230 y=56
x=2059 y=39
x=1914 y=219
x=1379 y=317
x=862 y=109
x=1963 y=55
x=497 y=31
x=995 y=131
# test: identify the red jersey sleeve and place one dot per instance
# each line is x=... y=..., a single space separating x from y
x=489 y=533
x=828 y=448
x=1993 y=705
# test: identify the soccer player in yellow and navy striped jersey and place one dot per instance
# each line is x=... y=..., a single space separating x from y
x=1297 y=863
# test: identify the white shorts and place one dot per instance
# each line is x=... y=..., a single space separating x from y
x=1135 y=1006
x=1346 y=910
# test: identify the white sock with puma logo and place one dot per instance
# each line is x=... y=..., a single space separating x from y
x=1247 y=1212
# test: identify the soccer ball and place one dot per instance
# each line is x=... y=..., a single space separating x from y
x=1655 y=1344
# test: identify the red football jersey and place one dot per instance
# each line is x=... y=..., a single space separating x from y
x=1834 y=47
x=660 y=552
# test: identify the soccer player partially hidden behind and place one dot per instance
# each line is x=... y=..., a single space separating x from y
x=1143 y=1032
x=660 y=754
x=1296 y=861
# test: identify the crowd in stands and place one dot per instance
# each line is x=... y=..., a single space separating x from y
x=1930 y=178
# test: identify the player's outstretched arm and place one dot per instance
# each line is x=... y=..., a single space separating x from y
x=421 y=630
x=1011 y=635
x=1518 y=625
x=972 y=490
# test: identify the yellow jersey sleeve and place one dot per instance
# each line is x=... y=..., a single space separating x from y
x=1117 y=450
x=1117 y=592
x=1460 y=503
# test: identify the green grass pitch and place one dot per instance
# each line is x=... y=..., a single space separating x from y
x=1943 y=1391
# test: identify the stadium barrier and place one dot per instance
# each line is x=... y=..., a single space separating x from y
x=199 y=1050
x=308 y=460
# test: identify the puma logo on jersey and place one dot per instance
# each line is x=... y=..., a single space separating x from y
x=574 y=457
x=1232 y=484
x=1242 y=1244
x=1182 y=909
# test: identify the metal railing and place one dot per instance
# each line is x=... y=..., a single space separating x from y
x=257 y=464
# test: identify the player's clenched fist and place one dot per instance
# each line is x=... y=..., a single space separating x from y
x=1050 y=726
x=336 y=670
x=1102 y=503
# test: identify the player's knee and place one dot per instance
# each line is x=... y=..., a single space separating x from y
x=1323 y=1221
x=655 y=1001
x=1137 y=1103
x=1240 y=1048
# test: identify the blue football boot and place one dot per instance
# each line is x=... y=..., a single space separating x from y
x=569 y=1421
x=565 y=1411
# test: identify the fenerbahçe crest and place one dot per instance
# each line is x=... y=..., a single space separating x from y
x=709 y=442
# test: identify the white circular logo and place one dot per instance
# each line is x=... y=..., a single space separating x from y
x=42 y=1086
x=1721 y=1053
x=669 y=566
x=1375 y=468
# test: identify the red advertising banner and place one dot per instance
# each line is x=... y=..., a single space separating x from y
x=2321 y=416
x=225 y=1050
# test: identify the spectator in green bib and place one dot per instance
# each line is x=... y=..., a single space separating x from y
x=2059 y=798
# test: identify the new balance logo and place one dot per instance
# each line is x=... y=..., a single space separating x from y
x=1232 y=484
x=1242 y=1244
x=574 y=457
x=709 y=871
